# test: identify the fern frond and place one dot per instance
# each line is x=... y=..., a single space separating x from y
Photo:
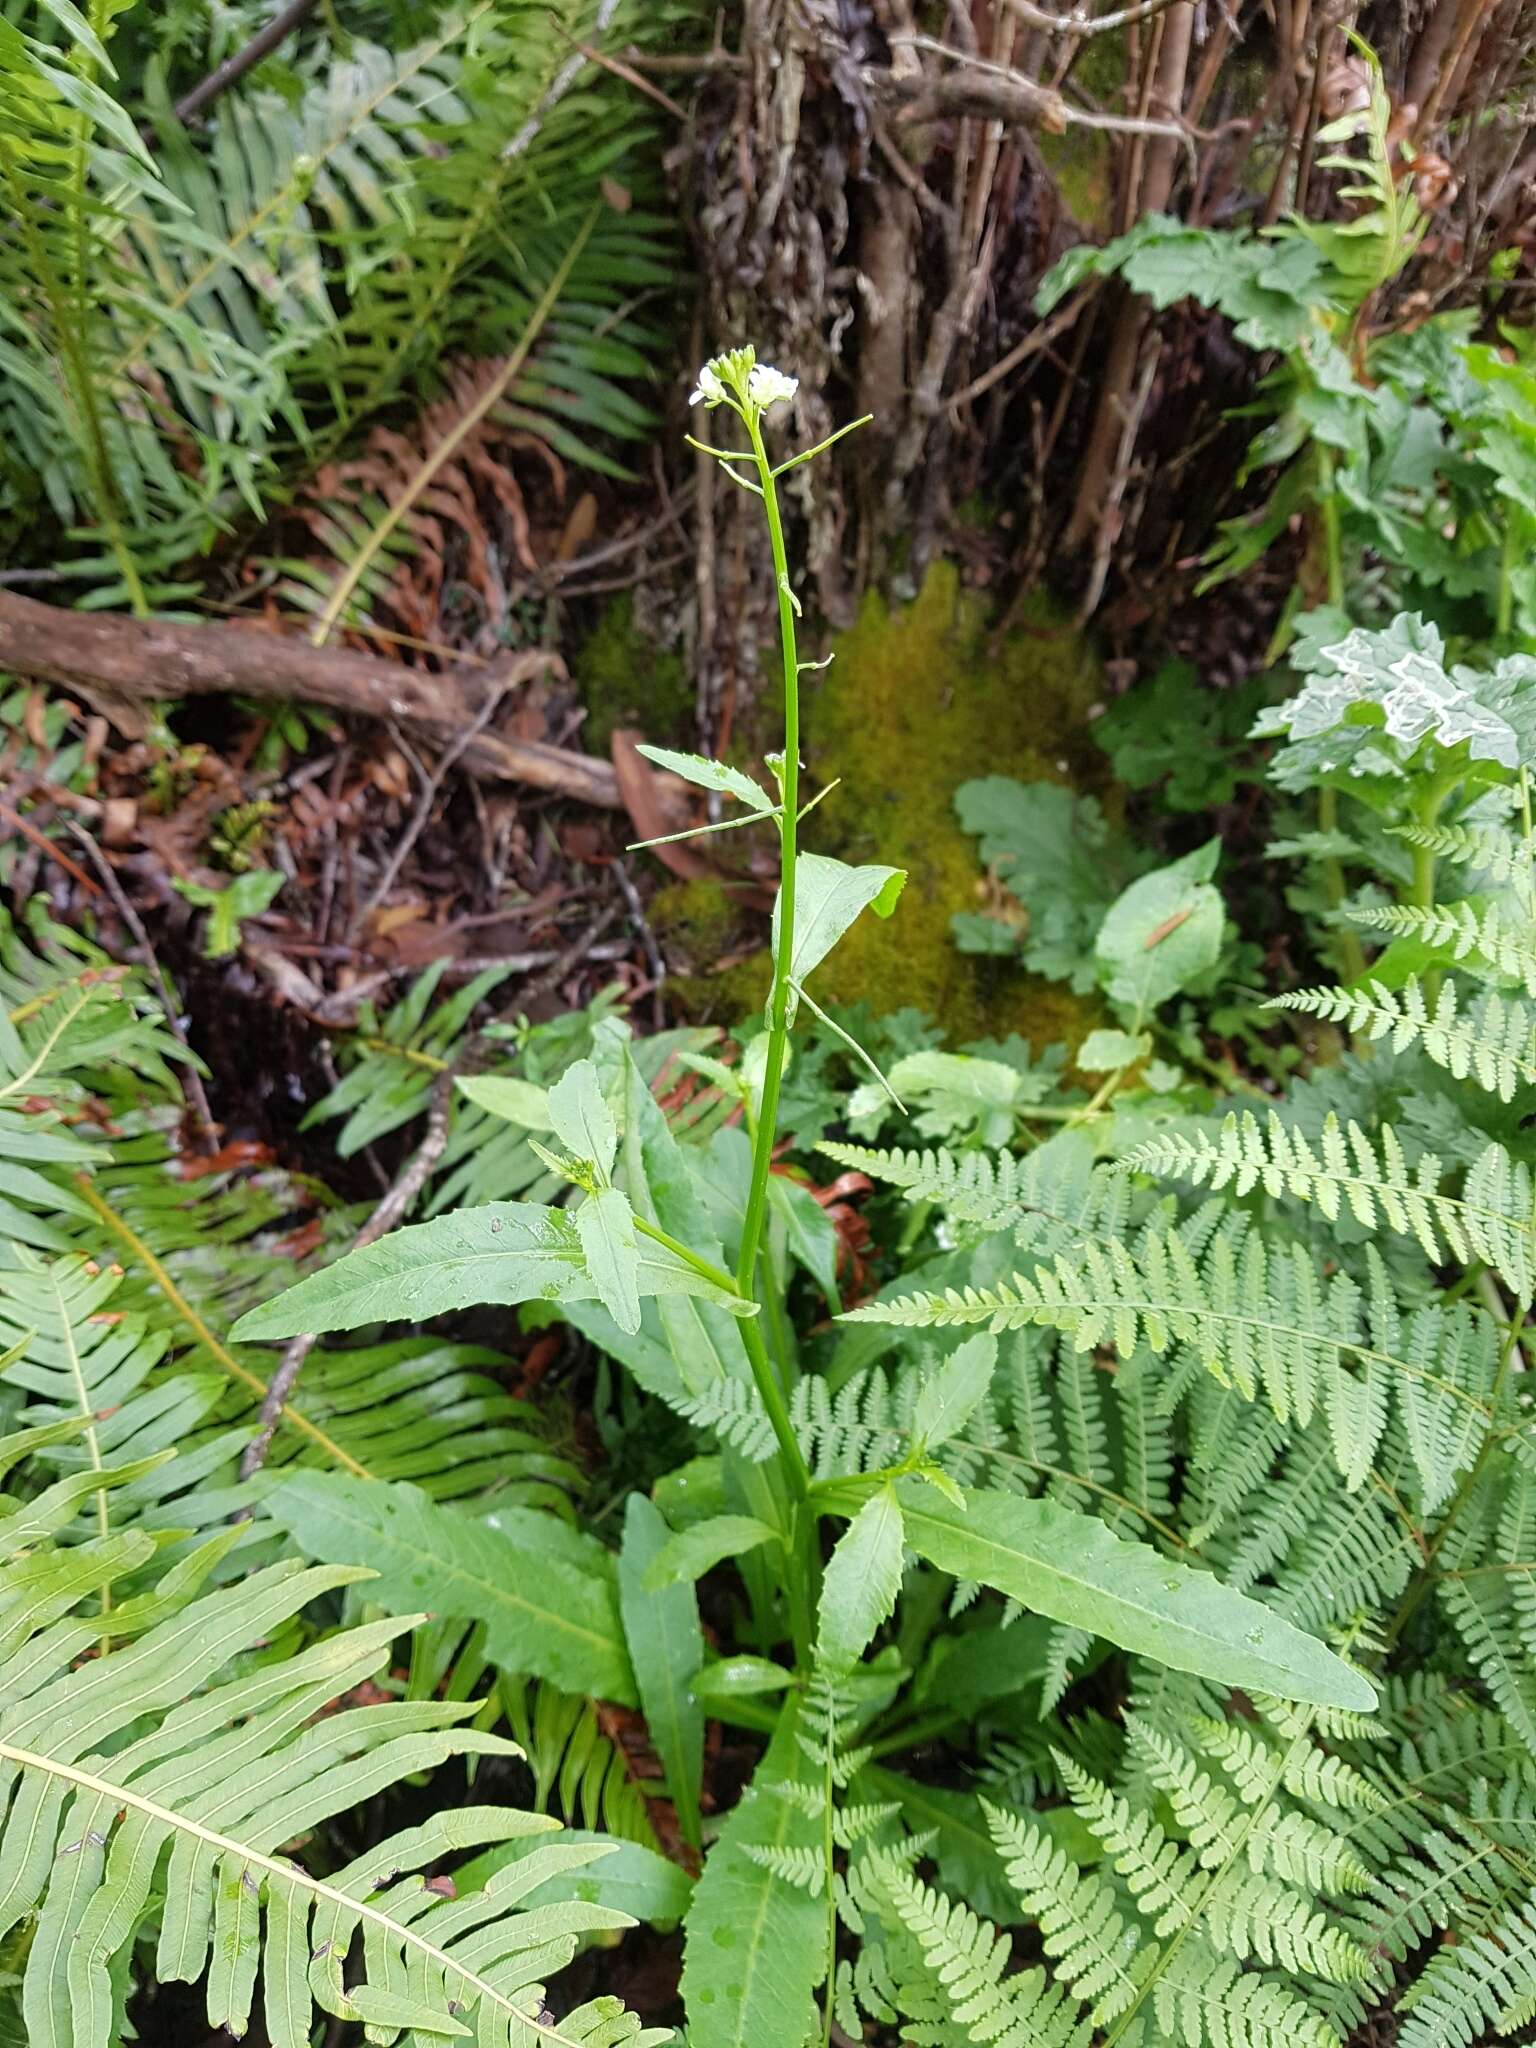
x=1260 y=1317
x=1486 y=1622
x=1485 y=1982
x=804 y=1869
x=1488 y=849
x=164 y=1779
x=1052 y=1198
x=1081 y=1927
x=733 y=1411
x=1371 y=1179
x=1481 y=937
x=1493 y=1044
x=966 y=1961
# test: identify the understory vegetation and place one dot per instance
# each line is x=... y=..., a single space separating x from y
x=821 y=1526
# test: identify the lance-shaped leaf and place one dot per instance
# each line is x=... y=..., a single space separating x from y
x=707 y=774
x=1068 y=1565
x=755 y=1946
x=605 y=1223
x=581 y=1119
x=828 y=897
x=862 y=1580
x=689 y=1553
x=503 y=1252
x=544 y=1592
x=666 y=1648
x=953 y=1389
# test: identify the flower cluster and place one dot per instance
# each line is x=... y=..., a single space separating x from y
x=740 y=381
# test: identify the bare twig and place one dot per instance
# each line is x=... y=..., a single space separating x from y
x=559 y=86
x=224 y=75
x=642 y=925
x=631 y=77
x=131 y=918
x=993 y=92
x=1038 y=338
x=432 y=785
x=125 y=662
x=1079 y=22
x=401 y=1195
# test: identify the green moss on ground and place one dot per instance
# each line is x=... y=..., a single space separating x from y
x=916 y=702
x=623 y=678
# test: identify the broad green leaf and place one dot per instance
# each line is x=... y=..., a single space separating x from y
x=828 y=897
x=707 y=774
x=739 y=1678
x=666 y=1649
x=1163 y=933
x=951 y=1392
x=605 y=1223
x=519 y=1102
x=580 y=1118
x=862 y=1579
x=1107 y=1052
x=689 y=1553
x=955 y=1092
x=1068 y=1565
x=502 y=1252
x=545 y=1593
x=755 y=1948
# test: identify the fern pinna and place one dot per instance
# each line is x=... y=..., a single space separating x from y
x=1326 y=1310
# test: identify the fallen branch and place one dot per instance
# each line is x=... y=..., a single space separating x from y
x=265 y=40
x=118 y=662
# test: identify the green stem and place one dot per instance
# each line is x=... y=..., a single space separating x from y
x=1504 y=612
x=1421 y=890
x=1351 y=952
x=778 y=1003
x=763 y=1373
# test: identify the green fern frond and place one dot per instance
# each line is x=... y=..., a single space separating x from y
x=1261 y=1318
x=1486 y=1982
x=1205 y=1998
x=965 y=1961
x=1081 y=1927
x=578 y=1768
x=804 y=1869
x=1485 y=1620
x=1052 y=1198
x=1493 y=1044
x=1501 y=856
x=1369 y=1178
x=162 y=1781
x=1483 y=937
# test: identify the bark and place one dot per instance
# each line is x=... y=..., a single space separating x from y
x=116 y=662
x=1096 y=478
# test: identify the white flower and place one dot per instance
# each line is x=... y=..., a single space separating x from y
x=766 y=386
x=709 y=390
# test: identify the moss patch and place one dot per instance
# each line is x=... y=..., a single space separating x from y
x=915 y=703
x=625 y=679
x=698 y=926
